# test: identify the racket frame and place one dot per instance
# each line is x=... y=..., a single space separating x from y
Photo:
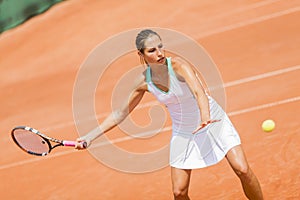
x=45 y=137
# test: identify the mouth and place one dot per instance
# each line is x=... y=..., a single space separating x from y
x=161 y=60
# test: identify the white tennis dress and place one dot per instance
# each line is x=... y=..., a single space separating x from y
x=204 y=148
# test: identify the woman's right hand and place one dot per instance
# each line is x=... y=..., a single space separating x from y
x=82 y=143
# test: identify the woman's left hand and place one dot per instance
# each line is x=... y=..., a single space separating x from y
x=205 y=123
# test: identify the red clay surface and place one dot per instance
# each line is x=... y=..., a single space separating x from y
x=255 y=45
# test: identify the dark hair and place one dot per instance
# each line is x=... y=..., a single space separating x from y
x=142 y=36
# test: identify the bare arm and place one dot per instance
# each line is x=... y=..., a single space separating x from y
x=118 y=115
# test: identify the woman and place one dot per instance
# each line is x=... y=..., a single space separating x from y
x=202 y=134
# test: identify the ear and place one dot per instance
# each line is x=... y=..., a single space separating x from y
x=142 y=59
x=139 y=53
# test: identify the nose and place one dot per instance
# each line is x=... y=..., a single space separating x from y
x=159 y=52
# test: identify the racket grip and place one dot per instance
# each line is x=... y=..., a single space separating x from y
x=69 y=143
x=73 y=143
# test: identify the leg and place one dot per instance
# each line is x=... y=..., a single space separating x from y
x=180 y=182
x=239 y=164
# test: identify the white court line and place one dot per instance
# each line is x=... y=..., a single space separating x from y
x=223 y=14
x=234 y=113
x=248 y=22
x=262 y=76
x=264 y=106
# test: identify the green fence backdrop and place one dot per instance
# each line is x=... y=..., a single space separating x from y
x=15 y=12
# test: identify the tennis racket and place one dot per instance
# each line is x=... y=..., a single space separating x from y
x=35 y=143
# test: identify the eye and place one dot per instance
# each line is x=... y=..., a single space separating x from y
x=160 y=46
x=151 y=50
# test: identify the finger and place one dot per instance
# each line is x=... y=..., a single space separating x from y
x=213 y=121
x=81 y=144
x=199 y=128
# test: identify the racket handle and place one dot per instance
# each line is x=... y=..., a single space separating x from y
x=73 y=143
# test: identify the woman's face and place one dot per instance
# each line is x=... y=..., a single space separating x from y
x=153 y=51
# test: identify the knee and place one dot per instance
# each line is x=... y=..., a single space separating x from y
x=180 y=192
x=243 y=171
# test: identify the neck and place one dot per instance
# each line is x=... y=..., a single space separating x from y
x=157 y=65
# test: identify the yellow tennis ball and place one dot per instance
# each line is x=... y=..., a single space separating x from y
x=268 y=125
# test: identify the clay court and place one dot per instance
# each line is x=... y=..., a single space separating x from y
x=255 y=45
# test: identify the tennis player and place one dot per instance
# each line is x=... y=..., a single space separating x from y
x=202 y=133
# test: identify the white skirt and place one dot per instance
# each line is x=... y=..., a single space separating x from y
x=207 y=147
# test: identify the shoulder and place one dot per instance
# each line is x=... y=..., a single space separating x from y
x=182 y=68
x=134 y=80
x=177 y=60
x=139 y=82
x=179 y=63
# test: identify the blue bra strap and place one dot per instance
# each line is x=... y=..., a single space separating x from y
x=170 y=68
x=148 y=75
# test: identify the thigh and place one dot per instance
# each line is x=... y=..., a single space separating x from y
x=180 y=178
x=237 y=159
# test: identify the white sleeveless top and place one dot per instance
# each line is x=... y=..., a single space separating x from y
x=179 y=101
x=204 y=148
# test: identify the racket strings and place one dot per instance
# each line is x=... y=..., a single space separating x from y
x=31 y=142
